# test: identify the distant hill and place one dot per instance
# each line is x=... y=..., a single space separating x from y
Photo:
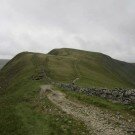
x=64 y=65
x=3 y=62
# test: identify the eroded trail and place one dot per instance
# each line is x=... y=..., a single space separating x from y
x=95 y=119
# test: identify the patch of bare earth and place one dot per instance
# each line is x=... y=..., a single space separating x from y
x=97 y=121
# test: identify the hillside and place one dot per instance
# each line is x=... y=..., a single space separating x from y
x=3 y=62
x=23 y=110
x=93 y=69
x=65 y=65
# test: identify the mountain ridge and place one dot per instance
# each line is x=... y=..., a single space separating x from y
x=64 y=65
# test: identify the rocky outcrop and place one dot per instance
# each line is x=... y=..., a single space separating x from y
x=124 y=96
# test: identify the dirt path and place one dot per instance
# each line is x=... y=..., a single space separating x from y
x=94 y=118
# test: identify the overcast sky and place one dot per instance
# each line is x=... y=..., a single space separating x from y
x=106 y=26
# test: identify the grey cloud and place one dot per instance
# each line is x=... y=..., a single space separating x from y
x=106 y=26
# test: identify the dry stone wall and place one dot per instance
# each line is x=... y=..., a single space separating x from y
x=124 y=96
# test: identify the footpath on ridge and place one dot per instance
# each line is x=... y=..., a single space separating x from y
x=97 y=121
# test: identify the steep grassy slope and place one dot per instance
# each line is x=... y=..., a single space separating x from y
x=3 y=62
x=22 y=110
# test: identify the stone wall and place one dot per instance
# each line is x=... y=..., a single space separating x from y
x=124 y=96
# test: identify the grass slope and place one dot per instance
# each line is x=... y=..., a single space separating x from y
x=23 y=112
x=64 y=65
x=93 y=69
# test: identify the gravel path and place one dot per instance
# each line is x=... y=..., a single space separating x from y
x=97 y=121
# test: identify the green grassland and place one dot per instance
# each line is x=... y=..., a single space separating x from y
x=23 y=112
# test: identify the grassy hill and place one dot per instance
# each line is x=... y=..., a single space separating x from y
x=23 y=112
x=3 y=62
x=93 y=69
x=64 y=65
